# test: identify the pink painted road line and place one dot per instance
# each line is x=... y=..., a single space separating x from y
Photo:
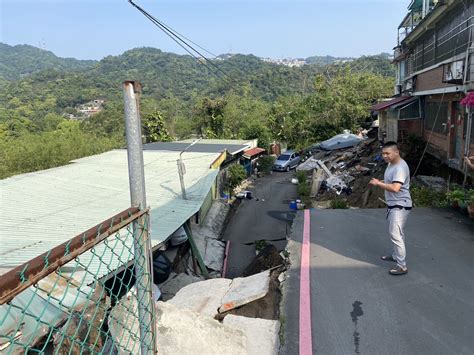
x=306 y=342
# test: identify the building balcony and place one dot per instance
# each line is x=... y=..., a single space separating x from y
x=417 y=11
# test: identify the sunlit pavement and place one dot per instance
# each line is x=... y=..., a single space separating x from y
x=357 y=307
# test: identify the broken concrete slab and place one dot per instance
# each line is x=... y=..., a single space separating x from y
x=282 y=277
x=176 y=282
x=206 y=236
x=215 y=296
x=309 y=164
x=317 y=180
x=244 y=290
x=262 y=334
x=213 y=224
x=214 y=254
x=265 y=307
x=204 y=297
x=181 y=331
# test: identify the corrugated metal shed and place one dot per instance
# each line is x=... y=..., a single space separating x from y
x=197 y=148
x=43 y=209
x=250 y=142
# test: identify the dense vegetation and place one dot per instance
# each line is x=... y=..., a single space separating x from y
x=180 y=98
x=22 y=60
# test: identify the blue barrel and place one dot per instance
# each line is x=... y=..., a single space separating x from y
x=293 y=205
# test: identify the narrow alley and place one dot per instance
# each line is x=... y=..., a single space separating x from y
x=266 y=217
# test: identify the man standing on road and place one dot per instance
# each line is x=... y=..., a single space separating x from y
x=396 y=184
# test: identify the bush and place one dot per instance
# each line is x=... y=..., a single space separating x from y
x=339 y=204
x=303 y=190
x=426 y=197
x=265 y=163
x=301 y=176
x=38 y=151
x=236 y=174
x=457 y=195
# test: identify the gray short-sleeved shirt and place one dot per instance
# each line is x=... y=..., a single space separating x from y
x=398 y=173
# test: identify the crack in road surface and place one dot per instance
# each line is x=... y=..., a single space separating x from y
x=355 y=314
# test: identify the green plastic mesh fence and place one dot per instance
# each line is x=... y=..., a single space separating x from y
x=94 y=298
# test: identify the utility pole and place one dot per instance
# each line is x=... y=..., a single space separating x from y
x=141 y=240
x=182 y=169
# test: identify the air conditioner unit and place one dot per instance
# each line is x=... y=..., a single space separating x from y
x=454 y=72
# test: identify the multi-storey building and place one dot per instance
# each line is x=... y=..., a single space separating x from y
x=435 y=72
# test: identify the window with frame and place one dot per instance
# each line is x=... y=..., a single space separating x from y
x=436 y=117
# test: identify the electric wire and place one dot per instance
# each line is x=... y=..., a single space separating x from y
x=186 y=46
x=177 y=34
x=431 y=133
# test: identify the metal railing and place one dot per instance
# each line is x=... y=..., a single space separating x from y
x=81 y=296
x=452 y=43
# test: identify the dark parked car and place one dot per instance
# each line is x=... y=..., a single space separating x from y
x=287 y=161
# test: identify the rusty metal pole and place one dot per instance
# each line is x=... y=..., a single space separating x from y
x=141 y=242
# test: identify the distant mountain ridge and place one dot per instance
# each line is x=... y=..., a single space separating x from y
x=22 y=60
x=29 y=74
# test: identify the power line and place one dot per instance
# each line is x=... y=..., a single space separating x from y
x=431 y=133
x=183 y=44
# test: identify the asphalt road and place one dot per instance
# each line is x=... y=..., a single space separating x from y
x=265 y=217
x=358 y=308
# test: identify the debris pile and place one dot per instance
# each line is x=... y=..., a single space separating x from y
x=346 y=171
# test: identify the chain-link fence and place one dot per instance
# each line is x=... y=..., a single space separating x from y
x=85 y=296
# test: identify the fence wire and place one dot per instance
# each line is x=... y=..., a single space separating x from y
x=81 y=297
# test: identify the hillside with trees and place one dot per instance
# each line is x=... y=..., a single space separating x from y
x=22 y=60
x=182 y=97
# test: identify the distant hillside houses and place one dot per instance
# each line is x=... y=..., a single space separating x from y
x=289 y=62
x=342 y=61
x=87 y=109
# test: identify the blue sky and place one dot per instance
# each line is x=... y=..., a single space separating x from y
x=92 y=29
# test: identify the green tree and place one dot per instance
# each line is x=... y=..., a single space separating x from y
x=154 y=129
x=236 y=174
x=257 y=129
x=210 y=117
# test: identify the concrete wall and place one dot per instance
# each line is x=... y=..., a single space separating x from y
x=206 y=206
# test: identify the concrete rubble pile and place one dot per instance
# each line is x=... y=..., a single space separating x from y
x=187 y=324
x=336 y=170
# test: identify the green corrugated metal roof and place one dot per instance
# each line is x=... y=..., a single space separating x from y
x=43 y=209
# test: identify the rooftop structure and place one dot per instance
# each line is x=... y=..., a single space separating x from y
x=46 y=208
